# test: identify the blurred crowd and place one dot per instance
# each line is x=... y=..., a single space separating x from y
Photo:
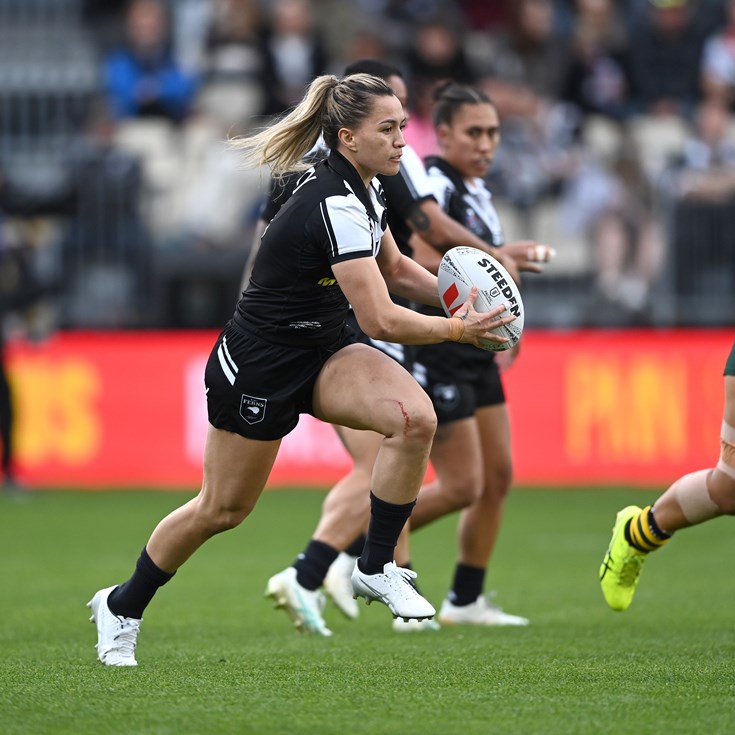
x=618 y=141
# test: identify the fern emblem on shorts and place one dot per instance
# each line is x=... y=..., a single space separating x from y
x=252 y=409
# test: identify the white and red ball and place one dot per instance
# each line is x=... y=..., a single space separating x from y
x=464 y=267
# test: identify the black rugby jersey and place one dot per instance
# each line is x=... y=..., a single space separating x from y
x=282 y=187
x=401 y=192
x=472 y=208
x=293 y=296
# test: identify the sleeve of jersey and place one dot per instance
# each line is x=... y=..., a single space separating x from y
x=410 y=186
x=343 y=226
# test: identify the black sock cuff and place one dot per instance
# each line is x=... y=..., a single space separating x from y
x=467 y=584
x=392 y=509
x=356 y=547
x=313 y=564
x=146 y=566
x=321 y=550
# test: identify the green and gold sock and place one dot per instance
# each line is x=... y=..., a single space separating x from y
x=643 y=533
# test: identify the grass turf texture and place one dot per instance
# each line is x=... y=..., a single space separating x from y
x=215 y=658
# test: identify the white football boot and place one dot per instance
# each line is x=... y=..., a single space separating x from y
x=479 y=612
x=303 y=606
x=393 y=588
x=338 y=585
x=116 y=636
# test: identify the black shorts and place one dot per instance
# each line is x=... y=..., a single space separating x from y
x=258 y=389
x=459 y=379
x=403 y=354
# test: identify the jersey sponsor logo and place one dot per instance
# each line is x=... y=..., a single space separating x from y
x=326 y=281
x=305 y=325
x=471 y=222
x=482 y=219
x=310 y=175
x=252 y=409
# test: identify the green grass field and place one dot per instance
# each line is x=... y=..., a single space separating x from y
x=216 y=658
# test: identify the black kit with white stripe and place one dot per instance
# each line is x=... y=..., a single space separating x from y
x=293 y=297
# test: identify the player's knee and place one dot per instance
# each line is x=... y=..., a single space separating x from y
x=217 y=518
x=498 y=480
x=425 y=424
x=462 y=490
x=415 y=421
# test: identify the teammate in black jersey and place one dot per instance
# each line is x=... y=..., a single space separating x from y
x=287 y=351
x=412 y=207
x=471 y=452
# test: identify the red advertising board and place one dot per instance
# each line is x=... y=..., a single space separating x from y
x=101 y=410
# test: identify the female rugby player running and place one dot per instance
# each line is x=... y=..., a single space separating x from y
x=286 y=351
x=409 y=197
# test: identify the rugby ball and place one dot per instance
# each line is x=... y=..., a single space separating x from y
x=464 y=267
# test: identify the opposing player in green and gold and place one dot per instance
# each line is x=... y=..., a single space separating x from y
x=691 y=500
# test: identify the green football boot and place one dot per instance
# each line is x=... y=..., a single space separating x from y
x=621 y=568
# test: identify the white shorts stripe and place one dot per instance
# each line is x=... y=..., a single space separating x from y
x=225 y=367
x=228 y=357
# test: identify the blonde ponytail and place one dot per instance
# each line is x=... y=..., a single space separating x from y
x=329 y=104
x=283 y=145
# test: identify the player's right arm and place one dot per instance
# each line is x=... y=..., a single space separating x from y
x=365 y=288
x=432 y=224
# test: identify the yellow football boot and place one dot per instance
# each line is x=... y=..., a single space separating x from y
x=621 y=568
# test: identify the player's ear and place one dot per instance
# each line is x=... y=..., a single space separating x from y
x=442 y=132
x=347 y=139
